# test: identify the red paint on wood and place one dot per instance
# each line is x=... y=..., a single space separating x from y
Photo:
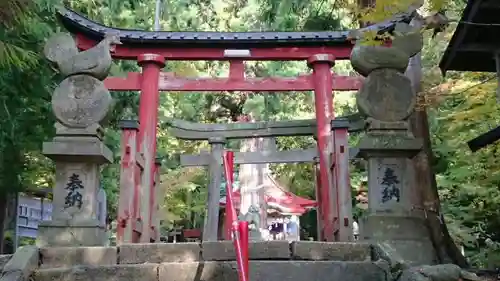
x=236 y=70
x=127 y=185
x=318 y=199
x=137 y=233
x=170 y=82
x=342 y=185
x=244 y=238
x=148 y=119
x=323 y=84
x=231 y=217
x=153 y=206
x=277 y=54
x=137 y=193
x=191 y=233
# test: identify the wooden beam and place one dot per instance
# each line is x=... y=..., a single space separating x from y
x=170 y=82
x=493 y=4
x=484 y=139
x=199 y=131
x=478 y=48
x=295 y=53
x=260 y=157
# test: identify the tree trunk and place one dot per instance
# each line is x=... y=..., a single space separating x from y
x=3 y=213
x=10 y=222
x=425 y=179
x=446 y=248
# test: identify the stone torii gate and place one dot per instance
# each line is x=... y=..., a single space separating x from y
x=152 y=49
x=218 y=134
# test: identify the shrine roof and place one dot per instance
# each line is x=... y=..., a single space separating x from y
x=76 y=23
x=277 y=197
x=475 y=40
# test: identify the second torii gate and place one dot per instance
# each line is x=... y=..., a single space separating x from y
x=218 y=134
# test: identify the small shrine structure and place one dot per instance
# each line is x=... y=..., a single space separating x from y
x=283 y=208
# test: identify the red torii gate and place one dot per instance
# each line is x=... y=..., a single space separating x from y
x=152 y=49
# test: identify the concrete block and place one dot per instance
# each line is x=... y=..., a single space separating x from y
x=409 y=252
x=338 y=251
x=265 y=250
x=274 y=270
x=22 y=264
x=71 y=256
x=158 y=253
x=143 y=272
x=68 y=234
x=3 y=260
x=14 y=276
x=394 y=227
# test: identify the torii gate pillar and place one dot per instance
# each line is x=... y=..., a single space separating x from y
x=148 y=119
x=323 y=100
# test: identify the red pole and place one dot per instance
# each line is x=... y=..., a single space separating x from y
x=230 y=210
x=148 y=118
x=321 y=65
x=239 y=245
x=243 y=229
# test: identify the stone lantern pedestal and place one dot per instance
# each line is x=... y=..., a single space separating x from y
x=81 y=104
x=78 y=155
x=395 y=212
x=396 y=217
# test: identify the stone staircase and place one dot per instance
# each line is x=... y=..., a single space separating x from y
x=211 y=261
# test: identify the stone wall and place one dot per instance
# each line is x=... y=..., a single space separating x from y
x=212 y=261
x=205 y=251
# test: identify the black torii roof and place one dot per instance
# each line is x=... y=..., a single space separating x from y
x=476 y=39
x=77 y=23
x=473 y=47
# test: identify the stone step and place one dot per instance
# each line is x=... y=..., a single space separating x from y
x=206 y=251
x=3 y=260
x=222 y=271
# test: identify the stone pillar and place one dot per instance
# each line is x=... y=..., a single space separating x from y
x=211 y=227
x=102 y=211
x=387 y=99
x=80 y=104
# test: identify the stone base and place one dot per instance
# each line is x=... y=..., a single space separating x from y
x=406 y=235
x=222 y=271
x=71 y=234
x=78 y=149
x=387 y=145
